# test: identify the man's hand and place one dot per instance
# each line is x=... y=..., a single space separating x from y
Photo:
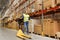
x=30 y=20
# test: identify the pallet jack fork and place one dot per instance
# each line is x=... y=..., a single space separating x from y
x=20 y=34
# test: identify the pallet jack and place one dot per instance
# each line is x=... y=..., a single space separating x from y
x=20 y=33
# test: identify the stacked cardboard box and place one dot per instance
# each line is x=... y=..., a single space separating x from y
x=50 y=27
x=58 y=1
x=59 y=25
x=46 y=26
x=37 y=6
x=5 y=20
x=37 y=29
x=54 y=28
x=13 y=25
x=9 y=25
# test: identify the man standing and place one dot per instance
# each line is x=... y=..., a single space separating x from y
x=26 y=21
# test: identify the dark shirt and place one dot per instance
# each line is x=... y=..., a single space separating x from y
x=20 y=21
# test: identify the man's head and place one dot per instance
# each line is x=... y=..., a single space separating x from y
x=26 y=12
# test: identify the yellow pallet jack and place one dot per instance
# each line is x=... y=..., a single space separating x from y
x=20 y=34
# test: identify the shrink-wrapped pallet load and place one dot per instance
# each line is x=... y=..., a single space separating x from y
x=31 y=25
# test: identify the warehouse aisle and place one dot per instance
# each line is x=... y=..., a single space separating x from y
x=8 y=34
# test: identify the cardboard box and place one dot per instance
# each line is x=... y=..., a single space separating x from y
x=14 y=25
x=37 y=29
x=54 y=28
x=9 y=25
x=46 y=26
x=50 y=27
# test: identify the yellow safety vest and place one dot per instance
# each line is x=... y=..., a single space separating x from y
x=26 y=17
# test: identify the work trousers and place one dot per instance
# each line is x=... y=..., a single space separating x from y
x=26 y=26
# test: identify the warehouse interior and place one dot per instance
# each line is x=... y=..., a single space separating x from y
x=44 y=23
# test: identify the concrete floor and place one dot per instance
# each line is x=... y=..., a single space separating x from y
x=8 y=34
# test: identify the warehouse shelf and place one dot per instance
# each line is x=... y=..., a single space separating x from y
x=16 y=6
x=45 y=12
x=28 y=5
x=54 y=9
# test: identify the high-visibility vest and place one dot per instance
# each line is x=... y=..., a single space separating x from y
x=26 y=17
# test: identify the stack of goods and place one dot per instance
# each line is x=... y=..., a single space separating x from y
x=54 y=28
x=37 y=29
x=50 y=27
x=46 y=26
x=31 y=26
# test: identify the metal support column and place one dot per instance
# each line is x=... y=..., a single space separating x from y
x=42 y=18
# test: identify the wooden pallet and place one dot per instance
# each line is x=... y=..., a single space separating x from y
x=57 y=36
x=44 y=35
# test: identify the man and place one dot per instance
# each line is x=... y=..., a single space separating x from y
x=20 y=22
x=26 y=21
x=20 y=32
